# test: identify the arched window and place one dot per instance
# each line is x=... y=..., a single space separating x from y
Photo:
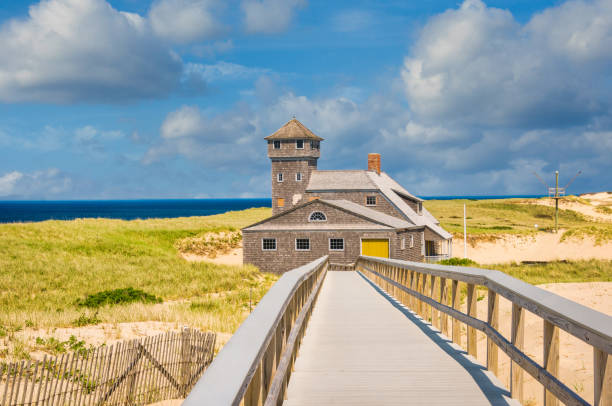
x=317 y=216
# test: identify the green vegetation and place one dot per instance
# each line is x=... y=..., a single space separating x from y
x=488 y=219
x=604 y=209
x=118 y=296
x=54 y=346
x=210 y=244
x=593 y=270
x=49 y=269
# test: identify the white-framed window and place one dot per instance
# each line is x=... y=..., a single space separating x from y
x=314 y=144
x=336 y=244
x=299 y=144
x=302 y=244
x=317 y=216
x=279 y=177
x=370 y=200
x=298 y=176
x=268 y=244
x=412 y=241
x=276 y=144
x=403 y=243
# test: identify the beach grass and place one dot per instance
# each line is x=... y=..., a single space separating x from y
x=490 y=218
x=48 y=268
x=593 y=270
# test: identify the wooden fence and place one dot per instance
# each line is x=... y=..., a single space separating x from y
x=135 y=372
x=433 y=292
x=254 y=367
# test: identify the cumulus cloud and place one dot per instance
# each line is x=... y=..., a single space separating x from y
x=478 y=65
x=185 y=21
x=44 y=183
x=222 y=71
x=82 y=50
x=269 y=16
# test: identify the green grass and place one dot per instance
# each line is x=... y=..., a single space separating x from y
x=559 y=271
x=491 y=218
x=593 y=270
x=46 y=268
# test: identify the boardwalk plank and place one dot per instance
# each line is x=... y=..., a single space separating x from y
x=362 y=349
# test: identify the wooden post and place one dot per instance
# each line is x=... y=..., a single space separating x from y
x=602 y=368
x=493 y=320
x=252 y=396
x=443 y=300
x=185 y=355
x=551 y=358
x=518 y=340
x=434 y=313
x=471 y=311
x=456 y=305
x=413 y=284
x=269 y=366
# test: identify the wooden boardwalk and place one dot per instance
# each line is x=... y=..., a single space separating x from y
x=363 y=348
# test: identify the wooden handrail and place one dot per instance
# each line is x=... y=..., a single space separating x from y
x=406 y=281
x=249 y=364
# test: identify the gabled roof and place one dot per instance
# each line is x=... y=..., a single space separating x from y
x=293 y=130
x=363 y=180
x=382 y=220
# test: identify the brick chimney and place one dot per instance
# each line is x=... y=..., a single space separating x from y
x=374 y=163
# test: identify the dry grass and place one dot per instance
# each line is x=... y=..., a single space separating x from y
x=46 y=267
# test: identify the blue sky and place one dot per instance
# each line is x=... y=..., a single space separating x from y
x=130 y=99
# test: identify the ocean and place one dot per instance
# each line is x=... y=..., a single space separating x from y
x=39 y=210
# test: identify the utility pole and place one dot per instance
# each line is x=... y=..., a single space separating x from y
x=464 y=234
x=556 y=201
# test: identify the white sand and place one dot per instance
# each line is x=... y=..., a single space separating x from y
x=540 y=247
x=234 y=257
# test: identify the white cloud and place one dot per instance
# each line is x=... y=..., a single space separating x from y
x=269 y=16
x=185 y=21
x=352 y=20
x=222 y=71
x=44 y=183
x=89 y=133
x=82 y=50
x=478 y=65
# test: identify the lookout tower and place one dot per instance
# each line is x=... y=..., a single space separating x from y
x=293 y=150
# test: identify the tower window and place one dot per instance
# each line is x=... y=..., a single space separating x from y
x=336 y=244
x=299 y=144
x=298 y=176
x=276 y=144
x=317 y=216
x=370 y=200
x=268 y=244
x=403 y=243
x=314 y=144
x=279 y=177
x=302 y=244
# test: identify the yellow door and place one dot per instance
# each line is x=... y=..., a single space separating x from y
x=375 y=248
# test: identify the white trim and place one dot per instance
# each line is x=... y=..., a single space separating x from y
x=274 y=144
x=375 y=201
x=299 y=249
x=334 y=249
x=269 y=249
x=374 y=238
x=411 y=241
x=296 y=144
x=316 y=221
x=423 y=243
x=279 y=177
x=403 y=243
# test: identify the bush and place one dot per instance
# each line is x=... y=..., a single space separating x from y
x=117 y=296
x=458 y=261
x=85 y=320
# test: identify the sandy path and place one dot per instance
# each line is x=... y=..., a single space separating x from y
x=576 y=357
x=539 y=247
x=234 y=257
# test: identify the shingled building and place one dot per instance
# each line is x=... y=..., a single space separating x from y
x=340 y=213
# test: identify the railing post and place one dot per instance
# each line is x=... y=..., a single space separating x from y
x=551 y=358
x=413 y=284
x=518 y=340
x=471 y=311
x=434 y=313
x=493 y=320
x=443 y=300
x=456 y=305
x=602 y=368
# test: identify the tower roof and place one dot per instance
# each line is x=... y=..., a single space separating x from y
x=293 y=130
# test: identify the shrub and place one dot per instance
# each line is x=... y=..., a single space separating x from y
x=85 y=320
x=458 y=261
x=117 y=296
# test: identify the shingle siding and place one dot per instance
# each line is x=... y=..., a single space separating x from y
x=289 y=187
x=382 y=204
